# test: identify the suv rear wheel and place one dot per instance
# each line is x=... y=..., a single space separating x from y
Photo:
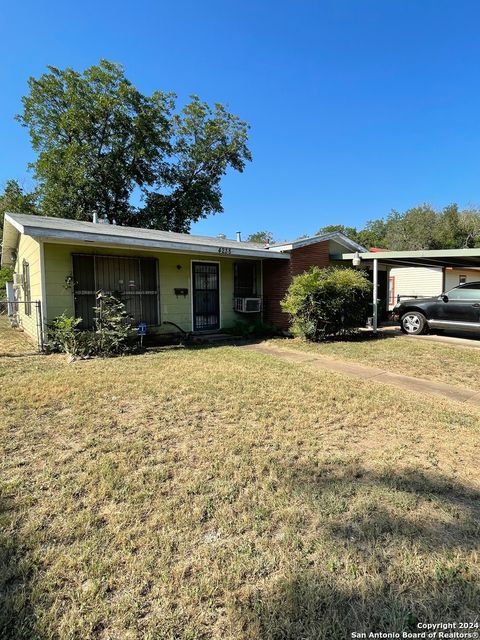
x=414 y=323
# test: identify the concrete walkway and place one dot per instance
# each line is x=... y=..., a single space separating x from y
x=355 y=370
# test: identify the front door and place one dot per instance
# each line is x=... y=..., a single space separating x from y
x=206 y=296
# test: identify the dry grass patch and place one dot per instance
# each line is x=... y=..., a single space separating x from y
x=14 y=341
x=223 y=494
x=459 y=366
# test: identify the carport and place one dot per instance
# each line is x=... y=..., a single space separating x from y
x=372 y=260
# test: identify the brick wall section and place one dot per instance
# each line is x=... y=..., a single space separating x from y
x=277 y=276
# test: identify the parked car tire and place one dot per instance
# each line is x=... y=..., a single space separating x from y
x=413 y=323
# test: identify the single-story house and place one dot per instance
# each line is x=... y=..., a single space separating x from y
x=197 y=283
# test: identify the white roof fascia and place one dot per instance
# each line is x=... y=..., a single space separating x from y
x=19 y=227
x=11 y=234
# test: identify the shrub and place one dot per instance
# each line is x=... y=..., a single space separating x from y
x=327 y=302
x=6 y=275
x=62 y=334
x=112 y=330
x=112 y=325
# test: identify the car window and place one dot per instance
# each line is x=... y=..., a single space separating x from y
x=464 y=293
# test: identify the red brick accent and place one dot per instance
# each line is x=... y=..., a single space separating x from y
x=278 y=274
x=276 y=279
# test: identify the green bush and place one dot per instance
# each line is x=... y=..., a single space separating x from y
x=327 y=302
x=111 y=334
x=6 y=275
x=63 y=334
x=112 y=325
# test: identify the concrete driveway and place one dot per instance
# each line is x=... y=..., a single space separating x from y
x=458 y=339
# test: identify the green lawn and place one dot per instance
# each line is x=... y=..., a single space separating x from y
x=401 y=354
x=224 y=494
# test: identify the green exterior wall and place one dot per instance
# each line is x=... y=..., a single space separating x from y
x=178 y=309
x=29 y=250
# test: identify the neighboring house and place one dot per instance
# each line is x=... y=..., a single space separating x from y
x=421 y=282
x=198 y=283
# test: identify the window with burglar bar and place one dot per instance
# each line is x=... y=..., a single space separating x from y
x=245 y=280
x=132 y=280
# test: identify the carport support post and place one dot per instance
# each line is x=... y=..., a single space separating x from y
x=375 y=295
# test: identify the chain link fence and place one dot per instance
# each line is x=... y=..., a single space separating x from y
x=25 y=316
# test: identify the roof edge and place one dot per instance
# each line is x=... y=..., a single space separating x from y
x=9 y=218
x=72 y=237
x=11 y=233
x=48 y=229
x=340 y=237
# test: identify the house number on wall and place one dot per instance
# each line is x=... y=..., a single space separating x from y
x=224 y=250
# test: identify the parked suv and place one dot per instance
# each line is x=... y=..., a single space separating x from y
x=457 y=310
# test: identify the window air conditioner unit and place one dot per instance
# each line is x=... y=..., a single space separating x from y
x=247 y=305
x=18 y=280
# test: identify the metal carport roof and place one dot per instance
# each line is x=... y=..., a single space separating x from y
x=423 y=258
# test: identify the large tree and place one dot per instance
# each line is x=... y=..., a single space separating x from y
x=469 y=226
x=371 y=236
x=15 y=200
x=421 y=227
x=414 y=229
x=264 y=237
x=102 y=144
x=350 y=232
x=424 y=227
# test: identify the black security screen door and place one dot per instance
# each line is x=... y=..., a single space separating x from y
x=206 y=299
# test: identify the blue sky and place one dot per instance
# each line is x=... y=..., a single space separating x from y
x=356 y=107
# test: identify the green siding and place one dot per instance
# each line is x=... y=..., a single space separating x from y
x=178 y=309
x=29 y=250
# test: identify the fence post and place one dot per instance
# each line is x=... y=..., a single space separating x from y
x=375 y=295
x=40 y=340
